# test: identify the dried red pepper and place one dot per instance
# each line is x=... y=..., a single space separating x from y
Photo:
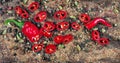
x=44 y=33
x=60 y=14
x=18 y=10
x=33 y=6
x=62 y=26
x=28 y=29
x=67 y=38
x=103 y=41
x=96 y=21
x=49 y=26
x=95 y=35
x=48 y=34
x=22 y=12
x=41 y=32
x=85 y=18
x=58 y=39
x=51 y=48
x=37 y=47
x=40 y=16
x=75 y=25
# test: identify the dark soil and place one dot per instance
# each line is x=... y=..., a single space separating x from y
x=82 y=49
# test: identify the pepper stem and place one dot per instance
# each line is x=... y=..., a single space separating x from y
x=19 y=24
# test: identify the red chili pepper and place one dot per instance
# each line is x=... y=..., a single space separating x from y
x=60 y=14
x=41 y=16
x=37 y=47
x=41 y=32
x=23 y=13
x=95 y=21
x=28 y=29
x=18 y=10
x=67 y=38
x=75 y=26
x=44 y=33
x=51 y=48
x=31 y=31
x=62 y=26
x=49 y=26
x=95 y=35
x=58 y=39
x=103 y=41
x=33 y=6
x=47 y=34
x=85 y=18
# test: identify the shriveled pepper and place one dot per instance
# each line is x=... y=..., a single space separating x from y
x=103 y=41
x=44 y=33
x=62 y=26
x=49 y=26
x=58 y=39
x=95 y=35
x=85 y=18
x=27 y=28
x=67 y=38
x=33 y=6
x=48 y=34
x=96 y=21
x=41 y=31
x=37 y=47
x=51 y=48
x=60 y=14
x=18 y=10
x=22 y=12
x=40 y=16
x=75 y=25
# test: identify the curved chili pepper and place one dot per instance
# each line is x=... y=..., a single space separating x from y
x=51 y=48
x=75 y=26
x=103 y=41
x=37 y=47
x=67 y=38
x=95 y=21
x=95 y=35
x=49 y=26
x=60 y=14
x=58 y=39
x=85 y=18
x=28 y=29
x=62 y=26
x=41 y=16
x=33 y=6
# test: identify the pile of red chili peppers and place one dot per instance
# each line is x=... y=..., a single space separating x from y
x=34 y=34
